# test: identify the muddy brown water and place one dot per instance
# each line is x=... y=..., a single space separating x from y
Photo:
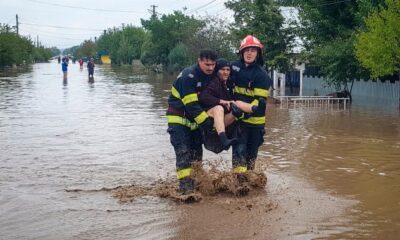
x=66 y=147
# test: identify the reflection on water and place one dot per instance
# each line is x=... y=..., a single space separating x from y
x=353 y=153
x=112 y=132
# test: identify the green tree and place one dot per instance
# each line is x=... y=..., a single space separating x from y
x=123 y=44
x=166 y=32
x=41 y=54
x=87 y=48
x=125 y=52
x=328 y=31
x=179 y=57
x=215 y=34
x=378 y=46
x=74 y=51
x=55 y=51
x=264 y=19
x=14 y=49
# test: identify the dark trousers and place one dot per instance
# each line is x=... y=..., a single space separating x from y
x=187 y=145
x=212 y=141
x=244 y=153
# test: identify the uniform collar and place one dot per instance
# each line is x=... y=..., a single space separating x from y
x=251 y=65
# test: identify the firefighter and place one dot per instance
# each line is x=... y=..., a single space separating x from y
x=251 y=84
x=185 y=116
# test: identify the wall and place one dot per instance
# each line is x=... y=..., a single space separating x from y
x=363 y=91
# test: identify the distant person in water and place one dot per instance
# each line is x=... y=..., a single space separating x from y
x=90 y=67
x=64 y=67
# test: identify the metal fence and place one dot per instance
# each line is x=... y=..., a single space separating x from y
x=313 y=101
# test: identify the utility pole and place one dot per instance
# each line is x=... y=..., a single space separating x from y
x=17 y=24
x=153 y=11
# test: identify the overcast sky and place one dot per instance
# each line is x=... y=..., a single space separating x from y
x=68 y=23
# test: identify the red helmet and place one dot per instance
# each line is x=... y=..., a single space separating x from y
x=250 y=41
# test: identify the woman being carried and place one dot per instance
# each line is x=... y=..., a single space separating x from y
x=216 y=99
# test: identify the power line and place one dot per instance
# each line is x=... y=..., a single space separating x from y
x=83 y=8
x=321 y=5
x=38 y=29
x=62 y=27
x=55 y=35
x=200 y=7
x=212 y=5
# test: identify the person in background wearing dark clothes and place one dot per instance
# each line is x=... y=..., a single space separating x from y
x=90 y=67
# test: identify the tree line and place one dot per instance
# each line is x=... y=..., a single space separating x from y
x=344 y=39
x=18 y=50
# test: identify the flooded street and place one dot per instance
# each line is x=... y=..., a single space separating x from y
x=332 y=173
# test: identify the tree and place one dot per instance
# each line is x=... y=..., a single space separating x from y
x=123 y=44
x=55 y=51
x=41 y=54
x=328 y=31
x=179 y=57
x=378 y=46
x=14 y=49
x=166 y=32
x=88 y=48
x=215 y=34
x=74 y=51
x=263 y=19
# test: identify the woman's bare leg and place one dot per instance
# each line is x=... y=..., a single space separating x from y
x=217 y=113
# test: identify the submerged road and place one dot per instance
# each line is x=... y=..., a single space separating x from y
x=332 y=173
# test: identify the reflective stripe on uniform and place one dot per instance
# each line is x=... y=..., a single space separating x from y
x=255 y=120
x=240 y=169
x=175 y=93
x=183 y=173
x=190 y=98
x=254 y=102
x=261 y=92
x=244 y=91
x=251 y=93
x=182 y=121
x=201 y=117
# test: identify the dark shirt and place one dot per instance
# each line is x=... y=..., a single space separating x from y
x=184 y=96
x=90 y=66
x=251 y=83
x=213 y=93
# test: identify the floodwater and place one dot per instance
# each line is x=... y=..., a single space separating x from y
x=332 y=173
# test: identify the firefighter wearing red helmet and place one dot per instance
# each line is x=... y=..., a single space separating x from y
x=250 y=84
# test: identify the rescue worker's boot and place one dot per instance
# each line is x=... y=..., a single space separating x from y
x=186 y=185
x=243 y=188
x=226 y=142
x=237 y=112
